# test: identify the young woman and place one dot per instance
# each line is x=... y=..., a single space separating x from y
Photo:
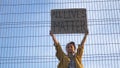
x=72 y=59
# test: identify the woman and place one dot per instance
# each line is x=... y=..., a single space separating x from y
x=72 y=59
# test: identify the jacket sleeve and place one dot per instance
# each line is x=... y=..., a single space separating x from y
x=80 y=51
x=59 y=52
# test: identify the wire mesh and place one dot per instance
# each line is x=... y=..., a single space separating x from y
x=25 y=41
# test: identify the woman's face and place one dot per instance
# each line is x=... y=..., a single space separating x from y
x=70 y=48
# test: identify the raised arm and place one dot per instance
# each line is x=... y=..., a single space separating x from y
x=54 y=38
x=84 y=39
x=81 y=47
x=59 y=52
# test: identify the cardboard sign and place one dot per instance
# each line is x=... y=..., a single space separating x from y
x=65 y=21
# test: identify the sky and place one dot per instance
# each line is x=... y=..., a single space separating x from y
x=25 y=41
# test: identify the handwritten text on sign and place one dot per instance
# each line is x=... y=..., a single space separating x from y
x=68 y=21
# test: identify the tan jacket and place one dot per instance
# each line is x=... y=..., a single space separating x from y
x=64 y=59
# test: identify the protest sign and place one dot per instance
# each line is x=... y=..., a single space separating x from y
x=64 y=21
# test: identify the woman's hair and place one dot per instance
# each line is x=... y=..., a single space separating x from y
x=71 y=43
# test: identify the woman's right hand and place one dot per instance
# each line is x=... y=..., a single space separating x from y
x=53 y=37
x=51 y=34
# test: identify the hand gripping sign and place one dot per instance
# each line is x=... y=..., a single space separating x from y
x=64 y=21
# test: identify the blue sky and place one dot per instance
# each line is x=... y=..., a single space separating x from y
x=25 y=40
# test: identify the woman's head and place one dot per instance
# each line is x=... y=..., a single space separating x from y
x=70 y=47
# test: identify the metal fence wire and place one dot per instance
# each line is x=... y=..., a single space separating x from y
x=25 y=41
